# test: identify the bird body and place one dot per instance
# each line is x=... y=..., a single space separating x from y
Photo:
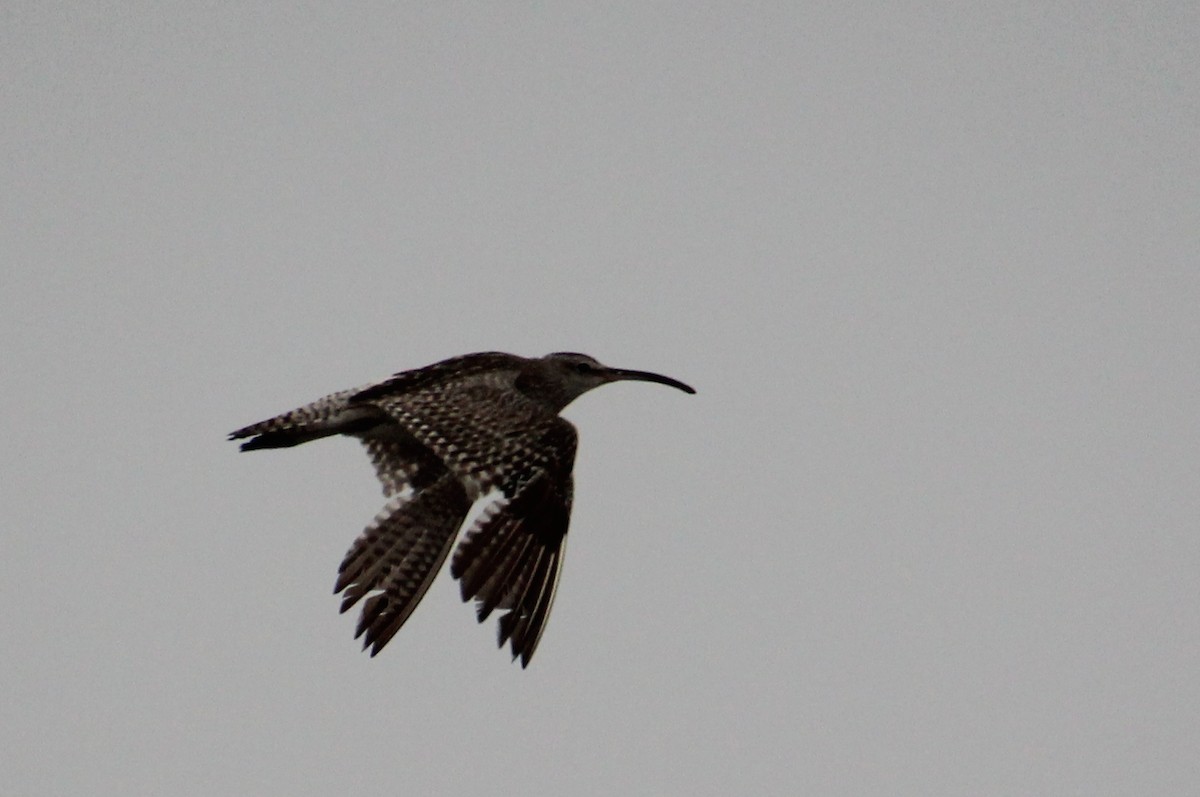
x=440 y=438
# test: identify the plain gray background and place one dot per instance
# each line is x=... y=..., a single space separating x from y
x=930 y=526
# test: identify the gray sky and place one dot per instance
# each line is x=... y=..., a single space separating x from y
x=930 y=527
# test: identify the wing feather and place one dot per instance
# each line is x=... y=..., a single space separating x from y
x=512 y=559
x=398 y=556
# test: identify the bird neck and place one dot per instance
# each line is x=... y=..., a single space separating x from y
x=544 y=388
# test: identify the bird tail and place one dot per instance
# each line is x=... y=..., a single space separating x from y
x=281 y=438
x=327 y=416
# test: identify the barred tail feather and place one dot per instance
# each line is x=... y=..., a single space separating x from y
x=326 y=416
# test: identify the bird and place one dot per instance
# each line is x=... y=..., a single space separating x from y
x=481 y=427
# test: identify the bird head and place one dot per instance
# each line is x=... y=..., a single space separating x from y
x=560 y=378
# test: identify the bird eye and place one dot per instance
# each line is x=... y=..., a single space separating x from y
x=584 y=368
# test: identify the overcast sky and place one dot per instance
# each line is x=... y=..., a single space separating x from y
x=931 y=525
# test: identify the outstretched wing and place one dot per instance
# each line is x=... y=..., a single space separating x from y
x=491 y=436
x=397 y=556
x=511 y=559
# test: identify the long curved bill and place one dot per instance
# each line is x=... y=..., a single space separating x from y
x=619 y=374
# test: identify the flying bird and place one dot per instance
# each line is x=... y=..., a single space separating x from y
x=441 y=437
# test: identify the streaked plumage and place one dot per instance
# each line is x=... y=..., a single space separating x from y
x=440 y=438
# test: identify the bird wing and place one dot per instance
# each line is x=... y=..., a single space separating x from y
x=482 y=429
x=401 y=551
x=400 y=461
x=511 y=559
x=445 y=374
x=491 y=436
